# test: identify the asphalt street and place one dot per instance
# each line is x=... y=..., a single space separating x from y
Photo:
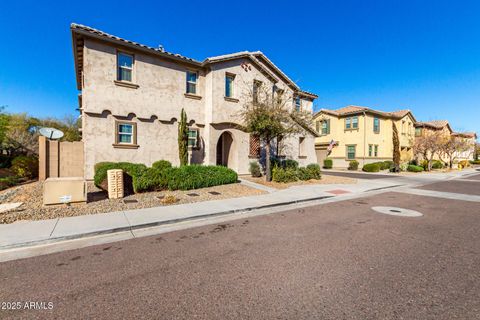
x=340 y=260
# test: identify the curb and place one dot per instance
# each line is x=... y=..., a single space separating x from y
x=154 y=224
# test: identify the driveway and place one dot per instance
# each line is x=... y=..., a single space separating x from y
x=468 y=185
x=335 y=261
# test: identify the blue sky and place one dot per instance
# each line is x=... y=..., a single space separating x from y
x=388 y=55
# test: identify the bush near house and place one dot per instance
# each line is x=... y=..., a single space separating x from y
x=183 y=178
x=289 y=174
x=371 y=167
x=328 y=163
x=437 y=164
x=414 y=168
x=254 y=169
x=25 y=167
x=130 y=172
x=162 y=164
x=474 y=161
x=387 y=165
x=353 y=165
x=464 y=163
x=7 y=182
x=288 y=163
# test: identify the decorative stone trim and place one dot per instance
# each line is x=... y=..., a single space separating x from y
x=230 y=99
x=192 y=96
x=126 y=84
x=125 y=146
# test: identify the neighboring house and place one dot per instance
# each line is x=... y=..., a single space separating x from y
x=362 y=134
x=132 y=95
x=471 y=140
x=442 y=127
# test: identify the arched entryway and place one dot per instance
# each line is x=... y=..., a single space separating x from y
x=225 y=150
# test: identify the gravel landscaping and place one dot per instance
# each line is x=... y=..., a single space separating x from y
x=277 y=185
x=33 y=209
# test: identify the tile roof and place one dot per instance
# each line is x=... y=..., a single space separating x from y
x=358 y=109
x=255 y=56
x=437 y=124
x=465 y=134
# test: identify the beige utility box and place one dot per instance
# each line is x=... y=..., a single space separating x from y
x=115 y=183
x=64 y=190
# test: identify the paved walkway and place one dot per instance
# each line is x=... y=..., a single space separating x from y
x=26 y=233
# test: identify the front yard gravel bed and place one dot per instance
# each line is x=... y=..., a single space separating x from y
x=33 y=209
x=326 y=179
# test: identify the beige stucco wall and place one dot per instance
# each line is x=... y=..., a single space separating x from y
x=155 y=107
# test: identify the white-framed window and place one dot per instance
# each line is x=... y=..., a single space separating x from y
x=298 y=103
x=355 y=122
x=193 y=138
x=191 y=86
x=126 y=133
x=351 y=123
x=376 y=125
x=124 y=66
x=229 y=81
x=350 y=152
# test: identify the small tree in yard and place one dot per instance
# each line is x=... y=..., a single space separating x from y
x=428 y=145
x=268 y=115
x=396 y=149
x=452 y=146
x=183 y=139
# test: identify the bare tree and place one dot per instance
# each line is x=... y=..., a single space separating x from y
x=452 y=146
x=428 y=145
x=270 y=114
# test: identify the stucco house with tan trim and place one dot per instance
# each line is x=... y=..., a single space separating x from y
x=131 y=96
x=362 y=134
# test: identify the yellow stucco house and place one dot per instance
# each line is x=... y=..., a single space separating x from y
x=362 y=134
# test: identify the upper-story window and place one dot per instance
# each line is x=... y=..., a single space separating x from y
x=256 y=90
x=326 y=126
x=192 y=82
x=298 y=103
x=351 y=123
x=376 y=125
x=418 y=132
x=124 y=67
x=229 y=79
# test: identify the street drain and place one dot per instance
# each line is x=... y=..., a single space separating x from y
x=394 y=211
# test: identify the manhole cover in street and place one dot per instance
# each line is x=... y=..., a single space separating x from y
x=394 y=211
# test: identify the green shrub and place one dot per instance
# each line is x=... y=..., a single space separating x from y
x=413 y=168
x=303 y=174
x=371 y=167
x=131 y=172
x=314 y=170
x=284 y=175
x=328 y=163
x=184 y=178
x=475 y=161
x=8 y=182
x=254 y=169
x=388 y=164
x=353 y=165
x=288 y=163
x=424 y=164
x=5 y=161
x=437 y=164
x=162 y=164
x=25 y=167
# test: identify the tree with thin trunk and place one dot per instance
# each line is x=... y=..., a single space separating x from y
x=428 y=145
x=270 y=114
x=183 y=139
x=396 y=148
x=453 y=146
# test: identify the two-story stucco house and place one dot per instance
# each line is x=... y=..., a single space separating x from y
x=362 y=134
x=132 y=95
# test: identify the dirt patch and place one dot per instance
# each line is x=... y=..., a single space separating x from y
x=325 y=180
x=98 y=202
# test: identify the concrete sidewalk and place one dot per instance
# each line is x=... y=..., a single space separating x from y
x=25 y=233
x=28 y=233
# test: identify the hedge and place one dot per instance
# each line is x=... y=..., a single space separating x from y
x=371 y=167
x=162 y=164
x=414 y=168
x=353 y=165
x=183 y=178
x=437 y=164
x=475 y=161
x=131 y=172
x=284 y=175
x=328 y=163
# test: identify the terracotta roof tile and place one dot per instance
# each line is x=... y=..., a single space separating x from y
x=438 y=124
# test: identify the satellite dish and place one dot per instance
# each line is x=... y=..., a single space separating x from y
x=51 y=133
